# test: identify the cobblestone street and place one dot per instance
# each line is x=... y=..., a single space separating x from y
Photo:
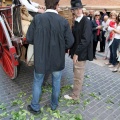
x=100 y=97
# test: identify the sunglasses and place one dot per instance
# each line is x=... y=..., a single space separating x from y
x=113 y=15
x=97 y=15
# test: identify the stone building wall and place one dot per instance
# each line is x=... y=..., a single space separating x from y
x=92 y=4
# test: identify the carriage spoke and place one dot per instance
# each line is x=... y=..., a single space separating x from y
x=7 y=63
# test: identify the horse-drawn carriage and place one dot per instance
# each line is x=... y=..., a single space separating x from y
x=11 y=38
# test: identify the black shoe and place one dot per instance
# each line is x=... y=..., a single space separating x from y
x=53 y=109
x=94 y=58
x=101 y=51
x=32 y=111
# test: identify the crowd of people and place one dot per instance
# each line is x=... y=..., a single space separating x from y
x=106 y=30
x=52 y=37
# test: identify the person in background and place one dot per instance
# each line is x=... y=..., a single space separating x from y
x=112 y=43
x=82 y=49
x=96 y=28
x=115 y=43
x=104 y=28
x=117 y=40
x=51 y=35
x=91 y=15
x=104 y=14
x=105 y=36
x=32 y=7
x=85 y=12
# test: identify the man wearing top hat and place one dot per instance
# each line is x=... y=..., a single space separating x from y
x=82 y=48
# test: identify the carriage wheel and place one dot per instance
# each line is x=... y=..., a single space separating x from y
x=7 y=63
x=6 y=57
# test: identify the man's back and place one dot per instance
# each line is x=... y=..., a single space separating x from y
x=51 y=36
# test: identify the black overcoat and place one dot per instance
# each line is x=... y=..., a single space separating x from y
x=51 y=35
x=83 y=45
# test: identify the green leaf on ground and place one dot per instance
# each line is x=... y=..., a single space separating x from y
x=3 y=115
x=109 y=101
x=21 y=94
x=72 y=102
x=29 y=98
x=81 y=95
x=78 y=117
x=95 y=96
x=71 y=117
x=20 y=115
x=2 y=106
x=94 y=119
x=47 y=88
x=87 y=76
x=87 y=85
x=86 y=102
x=45 y=118
x=108 y=107
x=16 y=102
x=65 y=88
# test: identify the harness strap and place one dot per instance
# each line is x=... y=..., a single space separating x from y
x=29 y=1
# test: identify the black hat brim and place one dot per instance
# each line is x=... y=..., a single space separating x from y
x=72 y=8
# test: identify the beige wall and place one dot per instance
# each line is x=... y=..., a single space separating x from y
x=100 y=8
x=109 y=8
x=39 y=1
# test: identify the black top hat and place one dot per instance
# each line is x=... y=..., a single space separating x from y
x=76 y=4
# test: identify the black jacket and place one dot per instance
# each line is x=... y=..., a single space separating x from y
x=94 y=25
x=83 y=45
x=51 y=35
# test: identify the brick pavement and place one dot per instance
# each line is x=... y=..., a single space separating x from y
x=100 y=98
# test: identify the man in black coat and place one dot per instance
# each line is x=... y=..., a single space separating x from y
x=82 y=49
x=51 y=35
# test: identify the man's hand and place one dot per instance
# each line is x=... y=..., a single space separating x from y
x=41 y=10
x=42 y=7
x=75 y=59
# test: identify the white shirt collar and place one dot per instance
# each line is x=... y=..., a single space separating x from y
x=79 y=18
x=51 y=10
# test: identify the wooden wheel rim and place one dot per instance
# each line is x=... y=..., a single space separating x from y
x=7 y=63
